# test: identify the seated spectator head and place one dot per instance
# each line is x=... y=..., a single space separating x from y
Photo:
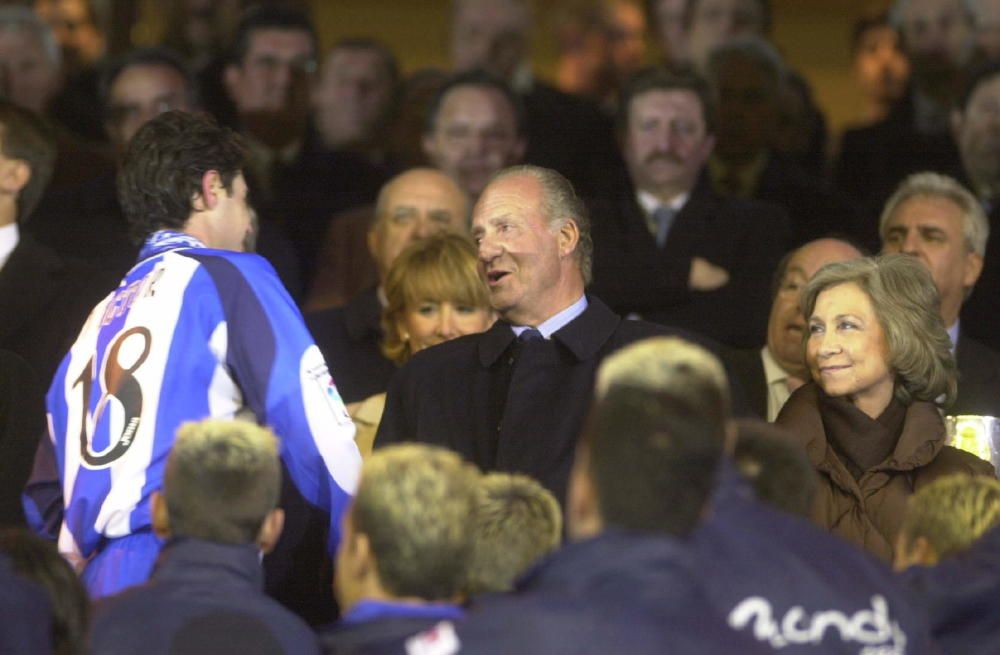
x=139 y=87
x=38 y=560
x=27 y=158
x=183 y=172
x=976 y=128
x=75 y=26
x=406 y=533
x=270 y=72
x=937 y=37
x=433 y=294
x=534 y=240
x=413 y=206
x=30 y=61
x=640 y=446
x=778 y=469
x=935 y=219
x=748 y=76
x=668 y=21
x=475 y=127
x=946 y=517
x=880 y=65
x=666 y=127
x=786 y=326
x=625 y=23
x=222 y=483
x=986 y=23
x=518 y=521
x=355 y=94
x=492 y=35
x=712 y=23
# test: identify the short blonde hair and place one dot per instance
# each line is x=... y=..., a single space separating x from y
x=415 y=503
x=517 y=522
x=667 y=364
x=443 y=268
x=906 y=303
x=952 y=512
x=222 y=479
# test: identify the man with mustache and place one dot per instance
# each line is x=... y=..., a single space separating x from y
x=666 y=245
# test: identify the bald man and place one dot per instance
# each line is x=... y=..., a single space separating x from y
x=411 y=206
x=770 y=374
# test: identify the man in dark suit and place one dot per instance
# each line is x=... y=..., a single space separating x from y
x=937 y=220
x=770 y=374
x=44 y=297
x=411 y=206
x=513 y=398
x=668 y=246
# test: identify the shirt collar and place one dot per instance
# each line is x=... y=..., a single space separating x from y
x=772 y=371
x=370 y=610
x=553 y=324
x=651 y=203
x=9 y=236
x=953 y=334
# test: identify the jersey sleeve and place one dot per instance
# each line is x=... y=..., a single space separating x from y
x=286 y=383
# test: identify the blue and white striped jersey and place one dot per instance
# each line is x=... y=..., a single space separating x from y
x=191 y=332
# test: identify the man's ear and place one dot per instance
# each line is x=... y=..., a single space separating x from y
x=207 y=197
x=583 y=513
x=161 y=516
x=973 y=268
x=14 y=176
x=569 y=236
x=270 y=530
x=232 y=77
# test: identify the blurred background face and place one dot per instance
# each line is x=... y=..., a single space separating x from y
x=846 y=350
x=430 y=322
x=667 y=144
x=669 y=29
x=489 y=34
x=880 y=65
x=475 y=136
x=978 y=136
x=987 y=27
x=937 y=35
x=714 y=22
x=27 y=76
x=141 y=93
x=626 y=37
x=73 y=24
x=352 y=97
x=748 y=109
x=275 y=71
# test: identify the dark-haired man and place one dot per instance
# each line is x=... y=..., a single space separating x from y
x=195 y=329
x=218 y=513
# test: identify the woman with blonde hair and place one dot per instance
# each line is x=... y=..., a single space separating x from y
x=881 y=364
x=433 y=293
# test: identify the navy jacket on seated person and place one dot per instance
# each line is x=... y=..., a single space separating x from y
x=795 y=588
x=25 y=614
x=962 y=596
x=376 y=628
x=203 y=597
x=619 y=592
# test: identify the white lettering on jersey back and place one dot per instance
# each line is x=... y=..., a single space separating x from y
x=322 y=401
x=872 y=629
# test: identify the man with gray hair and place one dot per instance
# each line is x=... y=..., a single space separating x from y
x=938 y=221
x=218 y=511
x=514 y=397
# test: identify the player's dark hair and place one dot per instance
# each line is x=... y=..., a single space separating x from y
x=164 y=165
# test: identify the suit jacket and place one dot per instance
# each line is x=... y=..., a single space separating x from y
x=980 y=318
x=22 y=423
x=746 y=238
x=44 y=300
x=746 y=365
x=506 y=405
x=978 y=378
x=349 y=339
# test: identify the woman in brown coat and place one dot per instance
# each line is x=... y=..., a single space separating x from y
x=881 y=362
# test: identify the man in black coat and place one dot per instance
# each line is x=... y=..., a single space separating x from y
x=410 y=207
x=937 y=220
x=668 y=246
x=514 y=398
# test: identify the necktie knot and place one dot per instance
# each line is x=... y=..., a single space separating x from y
x=531 y=334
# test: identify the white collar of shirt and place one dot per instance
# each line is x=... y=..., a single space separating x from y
x=953 y=335
x=651 y=203
x=777 y=384
x=9 y=236
x=557 y=322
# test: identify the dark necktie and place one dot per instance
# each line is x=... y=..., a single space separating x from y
x=530 y=334
x=663 y=217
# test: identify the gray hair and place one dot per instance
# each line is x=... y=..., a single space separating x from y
x=22 y=19
x=906 y=304
x=560 y=204
x=975 y=224
x=754 y=48
x=670 y=365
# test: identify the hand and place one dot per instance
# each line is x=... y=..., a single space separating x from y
x=706 y=276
